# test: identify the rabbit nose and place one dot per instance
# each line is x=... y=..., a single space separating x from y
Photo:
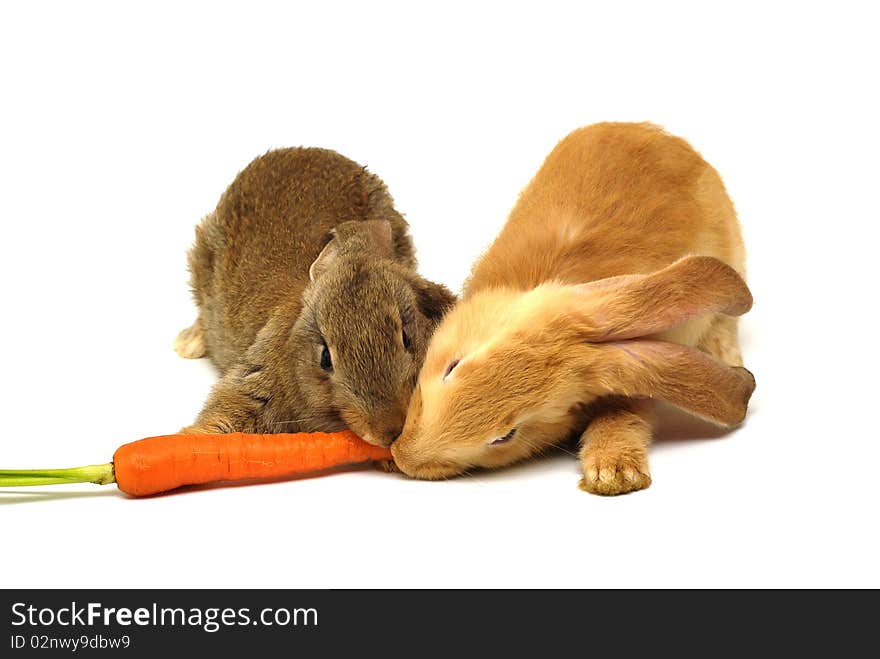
x=389 y=435
x=392 y=427
x=384 y=437
x=393 y=434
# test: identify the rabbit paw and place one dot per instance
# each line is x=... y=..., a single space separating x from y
x=190 y=343
x=388 y=466
x=612 y=471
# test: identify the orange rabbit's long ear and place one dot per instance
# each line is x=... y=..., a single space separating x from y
x=607 y=320
x=686 y=377
x=631 y=306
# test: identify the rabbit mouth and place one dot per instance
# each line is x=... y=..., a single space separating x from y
x=375 y=439
x=374 y=432
x=432 y=471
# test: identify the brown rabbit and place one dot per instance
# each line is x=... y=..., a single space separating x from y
x=614 y=281
x=309 y=303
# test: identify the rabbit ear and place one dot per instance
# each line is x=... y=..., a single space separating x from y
x=371 y=237
x=326 y=258
x=686 y=377
x=368 y=236
x=632 y=306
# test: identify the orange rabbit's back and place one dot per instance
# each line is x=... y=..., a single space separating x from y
x=612 y=199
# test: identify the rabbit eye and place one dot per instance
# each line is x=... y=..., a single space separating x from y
x=450 y=368
x=407 y=342
x=326 y=360
x=505 y=438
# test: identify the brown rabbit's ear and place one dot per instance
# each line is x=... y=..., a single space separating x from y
x=434 y=300
x=372 y=237
x=365 y=237
x=686 y=377
x=325 y=260
x=631 y=306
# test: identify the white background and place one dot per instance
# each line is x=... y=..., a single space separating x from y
x=119 y=129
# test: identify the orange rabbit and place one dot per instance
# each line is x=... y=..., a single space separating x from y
x=616 y=279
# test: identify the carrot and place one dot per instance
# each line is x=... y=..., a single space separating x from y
x=159 y=464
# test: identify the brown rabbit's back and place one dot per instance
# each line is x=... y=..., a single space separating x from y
x=612 y=199
x=254 y=251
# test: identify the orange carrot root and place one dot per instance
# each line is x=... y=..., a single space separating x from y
x=158 y=464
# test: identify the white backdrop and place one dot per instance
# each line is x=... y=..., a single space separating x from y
x=120 y=127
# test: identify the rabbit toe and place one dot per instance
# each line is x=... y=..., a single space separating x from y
x=612 y=472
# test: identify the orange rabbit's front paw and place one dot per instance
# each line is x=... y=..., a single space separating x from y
x=612 y=471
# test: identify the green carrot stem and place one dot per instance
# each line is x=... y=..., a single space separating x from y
x=100 y=474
